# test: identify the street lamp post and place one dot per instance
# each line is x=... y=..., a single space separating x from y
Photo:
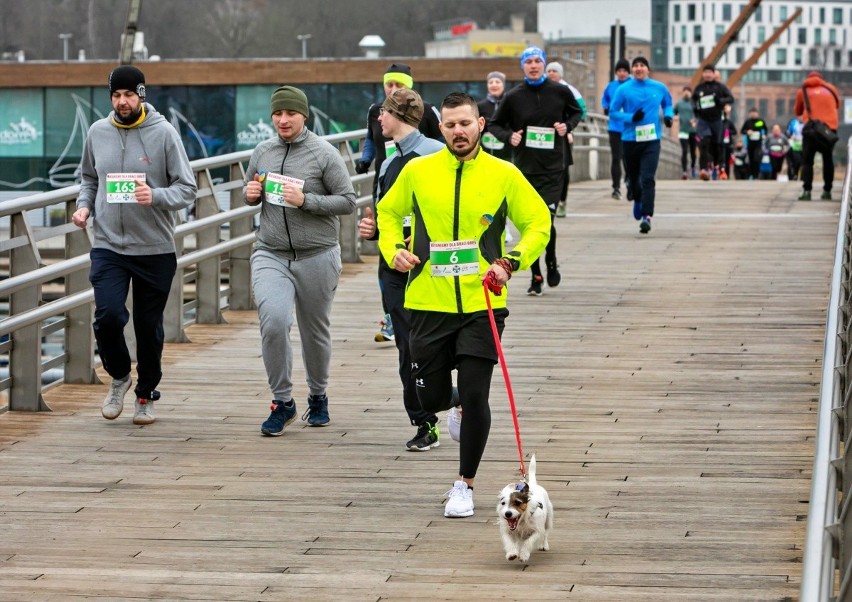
x=65 y=37
x=303 y=38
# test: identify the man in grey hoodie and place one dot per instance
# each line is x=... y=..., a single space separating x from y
x=304 y=186
x=135 y=176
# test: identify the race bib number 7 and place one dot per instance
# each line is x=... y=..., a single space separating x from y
x=455 y=258
x=121 y=187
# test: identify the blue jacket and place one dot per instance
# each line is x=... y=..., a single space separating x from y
x=606 y=102
x=650 y=96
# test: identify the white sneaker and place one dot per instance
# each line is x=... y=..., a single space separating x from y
x=459 y=501
x=114 y=401
x=454 y=418
x=144 y=411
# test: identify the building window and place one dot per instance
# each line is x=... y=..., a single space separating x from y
x=740 y=55
x=803 y=35
x=592 y=55
x=758 y=15
x=780 y=108
x=701 y=54
x=696 y=33
x=838 y=58
x=813 y=57
x=822 y=16
x=763 y=106
x=726 y=12
x=761 y=34
x=797 y=57
x=781 y=56
x=782 y=13
x=720 y=31
x=676 y=17
x=832 y=36
x=690 y=12
x=678 y=56
x=817 y=36
x=579 y=55
x=837 y=16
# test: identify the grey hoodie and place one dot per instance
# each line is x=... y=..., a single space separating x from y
x=314 y=227
x=153 y=148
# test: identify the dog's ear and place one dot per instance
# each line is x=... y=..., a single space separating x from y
x=525 y=489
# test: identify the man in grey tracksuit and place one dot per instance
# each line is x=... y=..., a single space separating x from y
x=135 y=177
x=303 y=185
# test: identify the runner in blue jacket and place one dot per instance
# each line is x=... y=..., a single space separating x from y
x=637 y=105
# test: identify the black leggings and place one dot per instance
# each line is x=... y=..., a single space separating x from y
x=474 y=382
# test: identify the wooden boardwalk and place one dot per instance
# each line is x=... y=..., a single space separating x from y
x=668 y=388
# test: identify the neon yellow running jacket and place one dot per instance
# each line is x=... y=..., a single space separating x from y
x=461 y=205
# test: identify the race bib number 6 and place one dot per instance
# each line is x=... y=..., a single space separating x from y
x=121 y=187
x=455 y=258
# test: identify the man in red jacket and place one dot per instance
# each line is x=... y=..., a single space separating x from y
x=824 y=102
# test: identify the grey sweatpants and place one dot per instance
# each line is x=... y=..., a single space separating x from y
x=307 y=286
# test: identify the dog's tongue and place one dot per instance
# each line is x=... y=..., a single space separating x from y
x=513 y=523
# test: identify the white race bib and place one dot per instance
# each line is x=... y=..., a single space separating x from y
x=455 y=258
x=491 y=142
x=121 y=187
x=544 y=138
x=755 y=135
x=275 y=188
x=646 y=133
x=683 y=135
x=707 y=102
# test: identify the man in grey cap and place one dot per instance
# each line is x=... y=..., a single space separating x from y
x=304 y=186
x=135 y=178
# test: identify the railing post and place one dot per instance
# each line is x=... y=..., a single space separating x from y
x=593 y=158
x=25 y=354
x=239 y=272
x=348 y=223
x=207 y=294
x=79 y=336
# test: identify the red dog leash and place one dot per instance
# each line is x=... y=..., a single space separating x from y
x=490 y=285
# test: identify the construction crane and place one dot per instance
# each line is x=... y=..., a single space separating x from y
x=125 y=54
x=737 y=75
x=725 y=41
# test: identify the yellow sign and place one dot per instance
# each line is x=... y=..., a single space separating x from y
x=497 y=48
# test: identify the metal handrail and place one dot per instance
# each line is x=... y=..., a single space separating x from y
x=208 y=245
x=823 y=525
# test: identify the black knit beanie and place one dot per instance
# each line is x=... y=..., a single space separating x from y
x=127 y=77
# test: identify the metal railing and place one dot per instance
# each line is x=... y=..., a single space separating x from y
x=827 y=559
x=213 y=271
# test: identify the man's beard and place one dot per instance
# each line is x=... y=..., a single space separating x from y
x=132 y=118
x=469 y=150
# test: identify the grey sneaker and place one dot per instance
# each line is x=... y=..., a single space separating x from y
x=114 y=401
x=145 y=409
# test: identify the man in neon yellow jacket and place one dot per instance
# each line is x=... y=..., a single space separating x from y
x=458 y=201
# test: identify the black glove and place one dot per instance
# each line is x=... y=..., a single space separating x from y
x=606 y=111
x=362 y=166
x=638 y=116
x=668 y=121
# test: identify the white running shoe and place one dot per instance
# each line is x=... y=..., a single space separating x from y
x=144 y=411
x=454 y=418
x=114 y=401
x=459 y=501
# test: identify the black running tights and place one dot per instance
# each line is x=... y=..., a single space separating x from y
x=474 y=382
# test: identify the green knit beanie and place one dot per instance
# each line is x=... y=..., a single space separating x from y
x=289 y=98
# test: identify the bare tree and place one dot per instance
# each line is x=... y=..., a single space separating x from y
x=234 y=23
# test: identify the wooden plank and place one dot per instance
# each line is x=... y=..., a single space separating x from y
x=668 y=388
